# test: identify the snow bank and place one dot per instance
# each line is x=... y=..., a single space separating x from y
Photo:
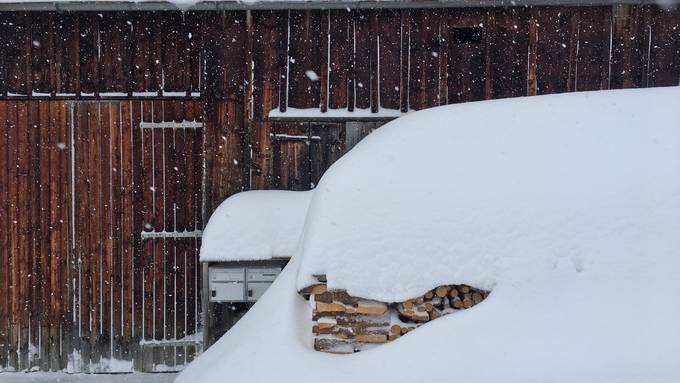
x=495 y=191
x=255 y=225
x=568 y=205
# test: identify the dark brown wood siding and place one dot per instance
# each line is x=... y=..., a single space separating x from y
x=99 y=170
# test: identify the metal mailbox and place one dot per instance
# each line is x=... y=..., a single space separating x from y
x=226 y=284
x=258 y=280
x=232 y=284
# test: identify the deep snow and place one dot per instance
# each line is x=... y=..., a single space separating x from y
x=495 y=192
x=255 y=225
x=568 y=206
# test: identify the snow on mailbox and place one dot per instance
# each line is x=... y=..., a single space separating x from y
x=248 y=240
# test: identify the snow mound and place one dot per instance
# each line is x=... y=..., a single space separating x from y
x=568 y=205
x=496 y=192
x=255 y=225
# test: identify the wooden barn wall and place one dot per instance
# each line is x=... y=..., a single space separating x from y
x=122 y=129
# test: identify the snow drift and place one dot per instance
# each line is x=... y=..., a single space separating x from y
x=567 y=206
x=255 y=225
x=490 y=191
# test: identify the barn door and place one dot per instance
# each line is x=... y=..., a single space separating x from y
x=136 y=187
x=303 y=151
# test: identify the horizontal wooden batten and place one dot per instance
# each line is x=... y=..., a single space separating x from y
x=172 y=234
x=171 y=125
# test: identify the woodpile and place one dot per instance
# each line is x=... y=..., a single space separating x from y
x=344 y=324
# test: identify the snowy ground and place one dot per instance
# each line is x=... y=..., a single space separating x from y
x=44 y=377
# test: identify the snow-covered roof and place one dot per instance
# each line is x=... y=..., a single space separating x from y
x=255 y=225
x=103 y=5
x=567 y=205
x=490 y=191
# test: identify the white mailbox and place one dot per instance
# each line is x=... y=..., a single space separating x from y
x=239 y=284
x=226 y=284
x=258 y=280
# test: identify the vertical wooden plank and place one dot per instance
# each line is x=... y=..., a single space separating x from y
x=41 y=52
x=533 y=37
x=127 y=211
x=117 y=212
x=665 y=47
x=159 y=224
x=142 y=75
x=107 y=194
x=390 y=52
x=268 y=36
x=44 y=188
x=508 y=52
x=89 y=48
x=4 y=29
x=5 y=249
x=180 y=226
x=95 y=231
x=59 y=231
x=340 y=58
x=592 y=71
x=25 y=245
x=424 y=51
x=284 y=62
x=629 y=35
x=405 y=62
x=18 y=54
x=466 y=55
x=67 y=53
x=194 y=56
x=324 y=64
x=305 y=58
x=138 y=221
x=375 y=61
x=148 y=211
x=363 y=54
x=13 y=176
x=173 y=47
x=115 y=55
x=170 y=181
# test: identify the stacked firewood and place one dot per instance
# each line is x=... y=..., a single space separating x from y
x=345 y=324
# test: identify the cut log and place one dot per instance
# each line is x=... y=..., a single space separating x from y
x=420 y=300
x=408 y=305
x=395 y=329
x=463 y=289
x=457 y=303
x=467 y=303
x=441 y=291
x=434 y=314
x=371 y=338
x=368 y=310
x=428 y=307
x=429 y=295
x=330 y=307
x=414 y=316
x=476 y=298
x=453 y=293
x=336 y=296
x=313 y=290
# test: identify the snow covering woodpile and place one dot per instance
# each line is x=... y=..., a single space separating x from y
x=566 y=206
x=255 y=225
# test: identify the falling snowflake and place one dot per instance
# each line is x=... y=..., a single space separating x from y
x=312 y=75
x=61 y=145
